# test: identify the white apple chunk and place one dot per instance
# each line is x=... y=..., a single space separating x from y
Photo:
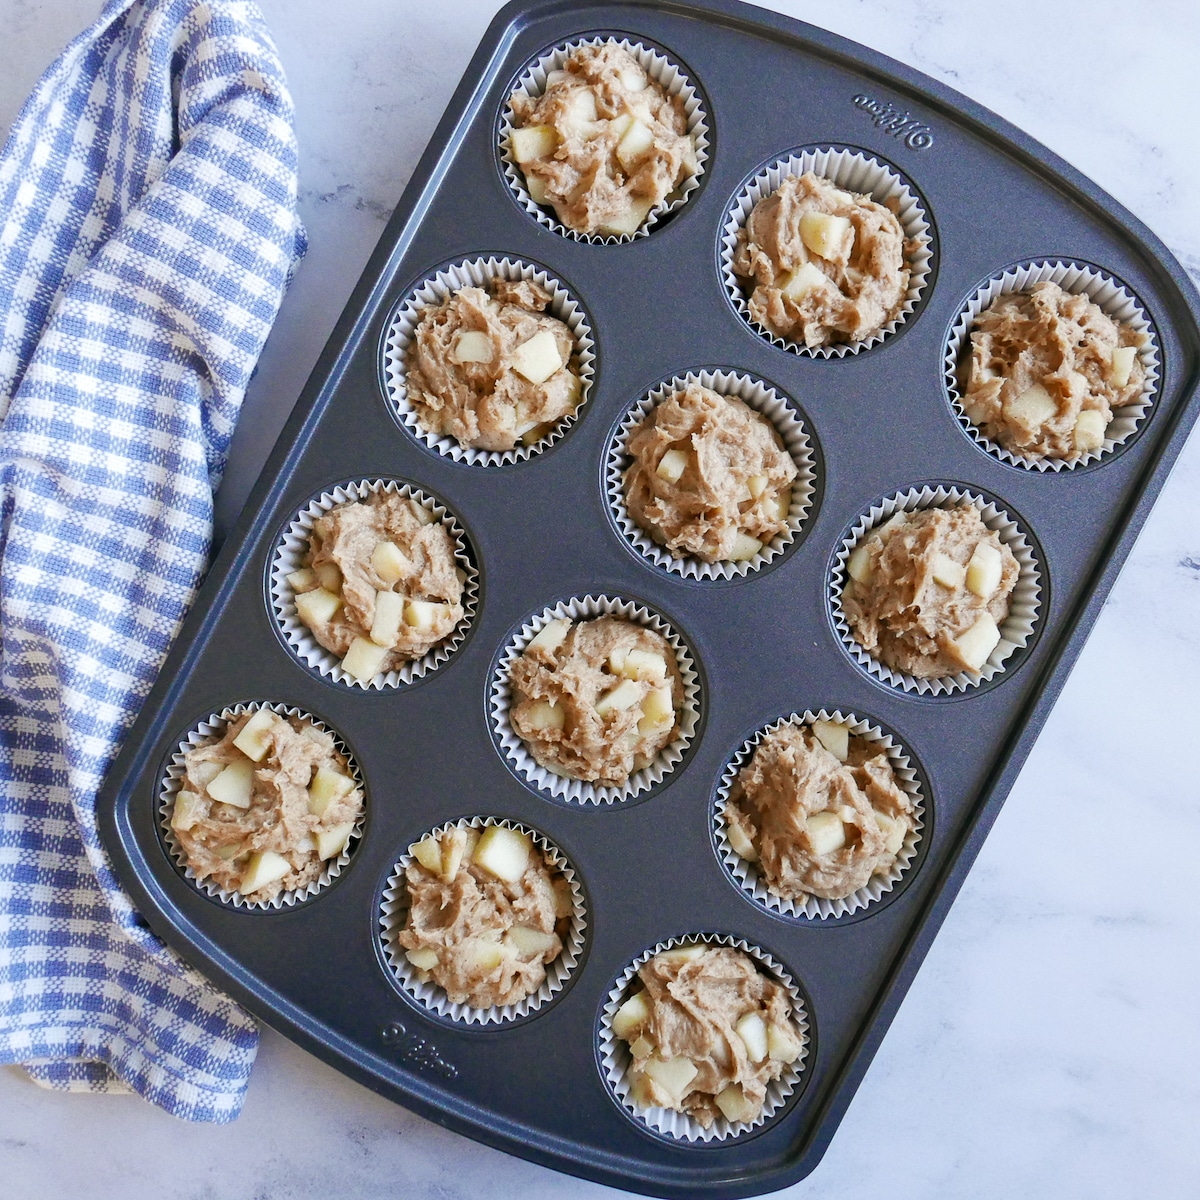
x=473 y=346
x=634 y=144
x=331 y=842
x=826 y=833
x=317 y=607
x=1121 y=366
x=385 y=624
x=503 y=852
x=264 y=868
x=893 y=830
x=671 y=466
x=481 y=954
x=752 y=1029
x=532 y=943
x=581 y=111
x=975 y=646
x=783 y=504
x=537 y=187
x=631 y=1016
x=808 y=278
x=630 y=222
x=1090 y=428
x=424 y=959
x=302 y=580
x=625 y=695
x=424 y=614
x=535 y=141
x=985 y=570
x=641 y=1047
x=756 y=485
x=633 y=78
x=429 y=854
x=658 y=712
x=734 y=1106
x=1032 y=409
x=327 y=786
x=744 y=547
x=189 y=808
x=550 y=636
x=834 y=736
x=673 y=1075
x=234 y=784
x=254 y=740
x=947 y=572
x=330 y=577
x=638 y=664
x=545 y=714
x=743 y=847
x=538 y=358
x=390 y=562
x=364 y=660
x=826 y=235
x=783 y=1043
x=859 y=566
x=678 y=955
x=204 y=771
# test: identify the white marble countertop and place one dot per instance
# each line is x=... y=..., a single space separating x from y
x=1049 y=1046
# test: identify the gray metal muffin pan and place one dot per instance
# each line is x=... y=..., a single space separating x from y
x=541 y=531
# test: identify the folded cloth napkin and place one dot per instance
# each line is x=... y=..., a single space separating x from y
x=147 y=233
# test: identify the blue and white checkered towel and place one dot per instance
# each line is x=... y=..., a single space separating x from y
x=147 y=232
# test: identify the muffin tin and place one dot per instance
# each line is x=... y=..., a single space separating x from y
x=541 y=533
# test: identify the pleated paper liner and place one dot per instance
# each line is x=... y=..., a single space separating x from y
x=1024 y=602
x=763 y=399
x=478 y=272
x=209 y=731
x=615 y=1058
x=1113 y=298
x=394 y=915
x=852 y=171
x=664 y=72
x=289 y=555
x=561 y=787
x=747 y=874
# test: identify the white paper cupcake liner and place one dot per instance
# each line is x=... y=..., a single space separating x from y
x=763 y=399
x=747 y=874
x=288 y=557
x=1112 y=298
x=852 y=171
x=615 y=1057
x=1024 y=602
x=394 y=915
x=210 y=730
x=478 y=272
x=667 y=75
x=586 y=608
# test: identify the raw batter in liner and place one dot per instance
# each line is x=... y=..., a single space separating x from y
x=493 y=370
x=485 y=939
x=603 y=144
x=282 y=814
x=861 y=815
x=1046 y=369
x=825 y=265
x=363 y=549
x=708 y=1034
x=596 y=700
x=733 y=487
x=923 y=598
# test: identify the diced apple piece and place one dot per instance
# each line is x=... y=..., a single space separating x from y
x=233 y=785
x=537 y=188
x=583 y=106
x=893 y=830
x=1090 y=428
x=303 y=580
x=633 y=78
x=826 y=833
x=204 y=771
x=503 y=852
x=535 y=433
x=424 y=614
x=550 y=636
x=975 y=646
x=947 y=572
x=1122 y=365
x=556 y=77
x=672 y=466
x=1032 y=408
x=330 y=577
x=678 y=955
x=481 y=954
x=641 y=1047
x=858 y=565
x=473 y=346
x=984 y=571
x=743 y=847
x=625 y=695
x=385 y=624
x=327 y=786
x=757 y=484
x=783 y=504
x=532 y=943
x=834 y=736
x=632 y=221
x=535 y=141
x=331 y=842
x=673 y=1075
x=421 y=513
x=228 y=853
x=424 y=959
x=783 y=1043
x=545 y=714
x=538 y=358
x=364 y=660
x=752 y=1030
x=564 y=901
x=254 y=740
x=317 y=607
x=734 y=1106
x=658 y=713
x=264 y=868
x=390 y=562
x=632 y=147
x=825 y=235
x=639 y=664
x=189 y=808
x=631 y=1016
x=454 y=850
x=744 y=547
x=807 y=279
x=429 y=854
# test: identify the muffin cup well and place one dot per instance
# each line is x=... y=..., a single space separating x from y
x=763 y=399
x=665 y=73
x=394 y=915
x=1113 y=299
x=615 y=1057
x=853 y=171
x=747 y=874
x=577 y=791
x=478 y=272
x=294 y=544
x=210 y=730
x=1024 y=602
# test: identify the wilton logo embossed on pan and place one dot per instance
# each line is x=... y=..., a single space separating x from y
x=903 y=125
x=412 y=1051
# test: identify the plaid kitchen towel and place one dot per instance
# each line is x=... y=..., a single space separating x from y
x=147 y=232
